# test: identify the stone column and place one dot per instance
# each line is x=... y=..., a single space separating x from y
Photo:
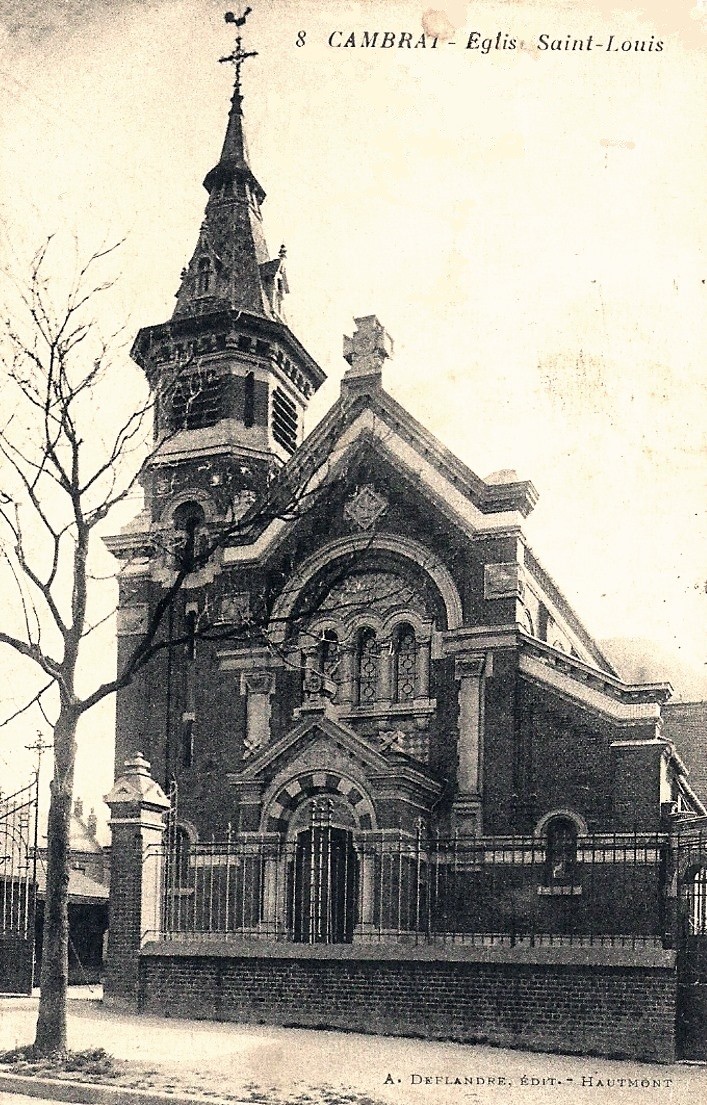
x=368 y=877
x=346 y=667
x=137 y=805
x=258 y=686
x=384 y=691
x=470 y=672
x=424 y=649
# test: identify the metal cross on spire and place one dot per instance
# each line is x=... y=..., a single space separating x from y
x=239 y=55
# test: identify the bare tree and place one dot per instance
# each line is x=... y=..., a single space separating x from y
x=69 y=458
x=67 y=461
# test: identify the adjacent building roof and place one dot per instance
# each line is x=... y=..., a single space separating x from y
x=82 y=889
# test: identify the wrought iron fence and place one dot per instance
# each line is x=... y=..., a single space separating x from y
x=690 y=857
x=18 y=839
x=329 y=886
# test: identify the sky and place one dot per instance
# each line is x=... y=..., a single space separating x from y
x=528 y=225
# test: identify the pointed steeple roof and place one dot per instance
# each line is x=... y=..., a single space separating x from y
x=231 y=267
x=234 y=153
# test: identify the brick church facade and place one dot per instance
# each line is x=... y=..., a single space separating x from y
x=363 y=648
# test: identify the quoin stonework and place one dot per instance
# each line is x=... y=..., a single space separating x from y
x=378 y=775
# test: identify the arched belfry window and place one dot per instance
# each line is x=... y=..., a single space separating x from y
x=404 y=664
x=366 y=667
x=561 y=851
x=248 y=399
x=188 y=518
x=204 y=276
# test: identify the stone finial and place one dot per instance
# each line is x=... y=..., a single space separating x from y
x=367 y=349
x=135 y=785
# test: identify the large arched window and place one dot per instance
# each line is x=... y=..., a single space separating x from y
x=561 y=851
x=404 y=664
x=366 y=667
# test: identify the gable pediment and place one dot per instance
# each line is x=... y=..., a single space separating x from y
x=473 y=506
x=323 y=747
x=315 y=742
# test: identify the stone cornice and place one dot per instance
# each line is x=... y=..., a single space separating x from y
x=584 y=673
x=221 y=322
x=571 y=679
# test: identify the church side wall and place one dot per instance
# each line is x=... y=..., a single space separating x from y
x=570 y=758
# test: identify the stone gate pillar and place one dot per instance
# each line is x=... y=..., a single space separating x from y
x=137 y=805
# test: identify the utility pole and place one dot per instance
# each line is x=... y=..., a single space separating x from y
x=39 y=747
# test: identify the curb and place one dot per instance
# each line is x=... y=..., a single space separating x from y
x=98 y=1093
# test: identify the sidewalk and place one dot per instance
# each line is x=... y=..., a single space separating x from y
x=308 y=1067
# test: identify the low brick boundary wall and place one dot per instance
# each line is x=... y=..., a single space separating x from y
x=552 y=999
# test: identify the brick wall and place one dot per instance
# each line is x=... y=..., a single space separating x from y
x=121 y=976
x=570 y=1007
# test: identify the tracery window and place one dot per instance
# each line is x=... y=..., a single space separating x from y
x=367 y=668
x=404 y=664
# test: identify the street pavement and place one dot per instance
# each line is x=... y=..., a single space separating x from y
x=287 y=1064
x=22 y=1099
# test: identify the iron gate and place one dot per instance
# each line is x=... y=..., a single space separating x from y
x=691 y=1027
x=18 y=889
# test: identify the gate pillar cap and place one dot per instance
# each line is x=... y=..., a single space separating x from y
x=135 y=786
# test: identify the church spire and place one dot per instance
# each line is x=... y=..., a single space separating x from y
x=231 y=267
x=235 y=153
x=233 y=380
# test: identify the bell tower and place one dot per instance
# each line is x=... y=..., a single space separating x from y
x=232 y=381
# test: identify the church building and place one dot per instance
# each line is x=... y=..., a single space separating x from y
x=373 y=713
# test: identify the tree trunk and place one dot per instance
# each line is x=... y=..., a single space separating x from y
x=51 y=1022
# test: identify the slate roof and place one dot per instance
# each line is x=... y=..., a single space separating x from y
x=82 y=889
